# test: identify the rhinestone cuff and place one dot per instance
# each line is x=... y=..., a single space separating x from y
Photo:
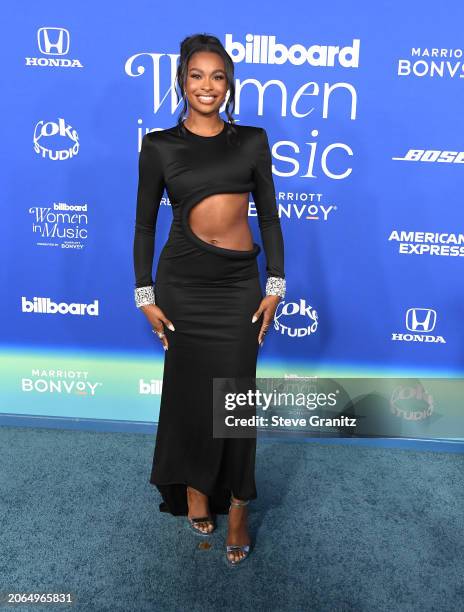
x=275 y=286
x=144 y=295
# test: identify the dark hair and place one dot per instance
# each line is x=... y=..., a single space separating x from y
x=205 y=42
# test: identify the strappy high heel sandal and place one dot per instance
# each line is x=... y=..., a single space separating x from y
x=244 y=548
x=192 y=524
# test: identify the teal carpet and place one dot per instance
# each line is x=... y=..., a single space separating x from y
x=336 y=528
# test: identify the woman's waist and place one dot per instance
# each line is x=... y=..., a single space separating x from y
x=180 y=259
x=181 y=242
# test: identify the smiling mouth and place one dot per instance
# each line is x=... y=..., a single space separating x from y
x=206 y=99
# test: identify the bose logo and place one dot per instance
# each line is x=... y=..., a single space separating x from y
x=432 y=155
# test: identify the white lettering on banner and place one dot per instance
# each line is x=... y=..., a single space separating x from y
x=153 y=387
x=433 y=155
x=47 y=131
x=63 y=225
x=296 y=166
x=300 y=94
x=60 y=373
x=421 y=68
x=417 y=320
x=263 y=49
x=53 y=62
x=314 y=211
x=53 y=42
x=286 y=326
x=135 y=67
x=428 y=243
x=434 y=52
x=45 y=305
x=421 y=64
x=413 y=236
x=78 y=388
x=418 y=338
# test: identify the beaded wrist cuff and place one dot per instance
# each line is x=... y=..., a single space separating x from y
x=275 y=286
x=144 y=295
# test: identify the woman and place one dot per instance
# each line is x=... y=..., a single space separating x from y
x=206 y=304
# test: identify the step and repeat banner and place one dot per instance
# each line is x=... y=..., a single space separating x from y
x=363 y=109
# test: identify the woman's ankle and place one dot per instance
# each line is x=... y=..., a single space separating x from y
x=196 y=492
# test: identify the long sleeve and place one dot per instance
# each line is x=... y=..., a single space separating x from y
x=268 y=218
x=150 y=189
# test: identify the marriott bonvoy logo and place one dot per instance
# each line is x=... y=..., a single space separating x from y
x=431 y=62
x=60 y=381
x=261 y=49
x=45 y=305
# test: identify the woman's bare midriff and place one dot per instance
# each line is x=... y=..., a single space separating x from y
x=222 y=219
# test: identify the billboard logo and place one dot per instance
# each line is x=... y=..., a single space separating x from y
x=151 y=387
x=260 y=49
x=44 y=305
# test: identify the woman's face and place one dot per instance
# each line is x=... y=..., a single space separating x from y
x=206 y=82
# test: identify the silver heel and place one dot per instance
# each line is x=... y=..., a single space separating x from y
x=192 y=523
x=244 y=548
x=202 y=519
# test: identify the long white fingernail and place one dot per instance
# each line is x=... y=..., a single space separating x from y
x=171 y=327
x=254 y=319
x=165 y=347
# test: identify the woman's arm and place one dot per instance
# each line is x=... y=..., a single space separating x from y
x=150 y=189
x=268 y=218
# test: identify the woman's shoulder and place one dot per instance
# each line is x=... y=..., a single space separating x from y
x=165 y=137
x=158 y=139
x=253 y=134
x=158 y=135
x=249 y=130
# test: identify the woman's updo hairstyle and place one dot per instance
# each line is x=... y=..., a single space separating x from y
x=189 y=46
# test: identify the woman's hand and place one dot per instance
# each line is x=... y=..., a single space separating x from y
x=267 y=308
x=157 y=318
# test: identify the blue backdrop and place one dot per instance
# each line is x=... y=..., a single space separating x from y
x=363 y=109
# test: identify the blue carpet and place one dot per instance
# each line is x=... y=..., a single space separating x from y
x=336 y=528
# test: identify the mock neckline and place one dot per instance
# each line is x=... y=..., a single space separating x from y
x=190 y=133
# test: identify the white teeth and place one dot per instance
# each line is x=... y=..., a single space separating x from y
x=207 y=98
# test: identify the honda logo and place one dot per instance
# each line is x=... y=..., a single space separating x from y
x=53 y=41
x=423 y=319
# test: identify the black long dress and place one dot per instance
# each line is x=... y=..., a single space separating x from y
x=210 y=294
